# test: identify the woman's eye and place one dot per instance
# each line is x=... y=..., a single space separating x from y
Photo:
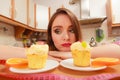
x=72 y=31
x=57 y=31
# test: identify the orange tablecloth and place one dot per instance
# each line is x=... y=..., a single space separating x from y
x=60 y=73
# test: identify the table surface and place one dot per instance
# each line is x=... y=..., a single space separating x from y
x=67 y=72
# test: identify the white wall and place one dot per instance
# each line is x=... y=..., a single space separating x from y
x=7 y=37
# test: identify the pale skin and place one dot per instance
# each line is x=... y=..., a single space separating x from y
x=62 y=33
x=63 y=36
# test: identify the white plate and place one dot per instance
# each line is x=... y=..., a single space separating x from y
x=50 y=64
x=68 y=63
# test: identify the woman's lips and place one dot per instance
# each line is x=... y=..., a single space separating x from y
x=66 y=44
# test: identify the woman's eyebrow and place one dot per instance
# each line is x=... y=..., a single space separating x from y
x=71 y=25
x=58 y=26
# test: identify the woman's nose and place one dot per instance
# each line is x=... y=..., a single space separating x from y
x=65 y=36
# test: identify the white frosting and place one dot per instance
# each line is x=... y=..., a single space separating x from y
x=38 y=49
x=78 y=46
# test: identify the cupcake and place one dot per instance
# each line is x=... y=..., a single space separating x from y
x=81 y=54
x=37 y=55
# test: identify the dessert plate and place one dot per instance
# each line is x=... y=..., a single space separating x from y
x=68 y=63
x=50 y=64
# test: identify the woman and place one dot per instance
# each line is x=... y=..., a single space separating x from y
x=64 y=29
x=63 y=26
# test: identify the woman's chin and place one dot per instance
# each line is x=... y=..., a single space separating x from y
x=65 y=50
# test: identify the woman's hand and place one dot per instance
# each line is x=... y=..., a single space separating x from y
x=59 y=55
x=54 y=58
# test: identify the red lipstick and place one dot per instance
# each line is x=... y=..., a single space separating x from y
x=66 y=44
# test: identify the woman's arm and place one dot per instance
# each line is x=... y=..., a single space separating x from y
x=60 y=55
x=10 y=52
x=108 y=50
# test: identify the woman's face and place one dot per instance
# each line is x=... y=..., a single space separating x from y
x=63 y=33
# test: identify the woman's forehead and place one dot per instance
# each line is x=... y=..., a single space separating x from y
x=62 y=20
